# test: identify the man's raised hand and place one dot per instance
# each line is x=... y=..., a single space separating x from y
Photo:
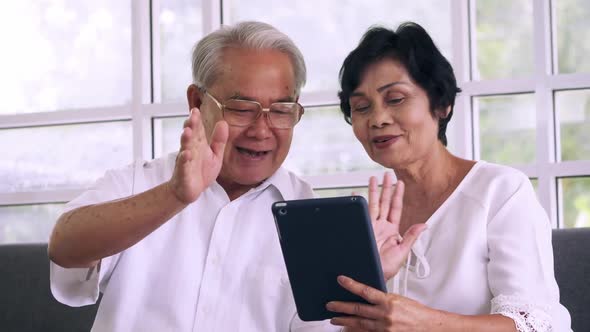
x=198 y=162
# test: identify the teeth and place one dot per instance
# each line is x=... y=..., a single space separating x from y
x=252 y=153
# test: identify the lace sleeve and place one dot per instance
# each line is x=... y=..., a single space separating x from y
x=527 y=316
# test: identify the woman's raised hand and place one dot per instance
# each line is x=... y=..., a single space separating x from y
x=385 y=209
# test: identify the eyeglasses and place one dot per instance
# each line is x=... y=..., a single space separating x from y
x=242 y=113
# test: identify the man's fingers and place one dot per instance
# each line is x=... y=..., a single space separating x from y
x=219 y=138
x=192 y=129
x=368 y=293
x=187 y=121
x=193 y=119
x=196 y=124
x=186 y=138
x=183 y=157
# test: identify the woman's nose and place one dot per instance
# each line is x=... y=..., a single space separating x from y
x=380 y=117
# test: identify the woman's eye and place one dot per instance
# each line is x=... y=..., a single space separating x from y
x=395 y=101
x=360 y=108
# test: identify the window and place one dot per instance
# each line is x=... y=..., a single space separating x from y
x=85 y=80
x=61 y=157
x=572 y=35
x=180 y=23
x=339 y=26
x=574 y=201
x=503 y=43
x=526 y=85
x=337 y=151
x=506 y=142
x=64 y=55
x=360 y=191
x=27 y=223
x=167 y=134
x=572 y=109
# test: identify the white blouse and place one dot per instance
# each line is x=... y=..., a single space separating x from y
x=488 y=249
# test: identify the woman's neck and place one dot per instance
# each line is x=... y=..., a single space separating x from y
x=431 y=177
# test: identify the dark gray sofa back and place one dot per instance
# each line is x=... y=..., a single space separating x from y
x=571 y=251
x=26 y=303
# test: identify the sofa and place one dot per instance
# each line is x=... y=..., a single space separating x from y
x=571 y=253
x=26 y=303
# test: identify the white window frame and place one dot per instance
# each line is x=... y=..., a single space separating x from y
x=146 y=103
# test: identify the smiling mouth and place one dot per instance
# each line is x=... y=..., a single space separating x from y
x=252 y=153
x=383 y=139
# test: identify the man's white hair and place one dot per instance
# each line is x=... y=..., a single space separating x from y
x=206 y=59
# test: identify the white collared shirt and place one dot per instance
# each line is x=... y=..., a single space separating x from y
x=215 y=266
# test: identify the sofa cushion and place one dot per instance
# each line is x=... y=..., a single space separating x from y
x=27 y=303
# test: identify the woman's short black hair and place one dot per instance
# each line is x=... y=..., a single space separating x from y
x=411 y=45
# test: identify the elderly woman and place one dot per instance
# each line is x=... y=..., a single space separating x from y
x=484 y=260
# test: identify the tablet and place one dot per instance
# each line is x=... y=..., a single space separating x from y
x=321 y=239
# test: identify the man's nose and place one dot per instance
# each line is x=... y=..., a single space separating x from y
x=260 y=128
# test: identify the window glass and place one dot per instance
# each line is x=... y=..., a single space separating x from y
x=326 y=31
x=573 y=116
x=64 y=54
x=337 y=192
x=62 y=157
x=573 y=35
x=575 y=202
x=167 y=135
x=503 y=39
x=181 y=26
x=323 y=143
x=507 y=128
x=28 y=223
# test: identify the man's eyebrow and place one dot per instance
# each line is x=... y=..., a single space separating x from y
x=379 y=89
x=286 y=99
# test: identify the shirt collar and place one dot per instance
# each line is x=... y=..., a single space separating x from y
x=281 y=182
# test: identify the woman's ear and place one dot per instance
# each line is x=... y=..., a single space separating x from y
x=194 y=96
x=443 y=114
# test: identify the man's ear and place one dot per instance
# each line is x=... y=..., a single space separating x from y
x=194 y=96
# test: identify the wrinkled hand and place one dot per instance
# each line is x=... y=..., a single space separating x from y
x=386 y=312
x=386 y=211
x=198 y=162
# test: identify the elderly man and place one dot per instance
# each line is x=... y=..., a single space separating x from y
x=187 y=242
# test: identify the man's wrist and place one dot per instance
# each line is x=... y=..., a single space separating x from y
x=172 y=197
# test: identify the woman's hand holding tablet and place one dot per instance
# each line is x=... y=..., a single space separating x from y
x=325 y=238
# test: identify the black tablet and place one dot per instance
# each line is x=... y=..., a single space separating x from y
x=321 y=239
